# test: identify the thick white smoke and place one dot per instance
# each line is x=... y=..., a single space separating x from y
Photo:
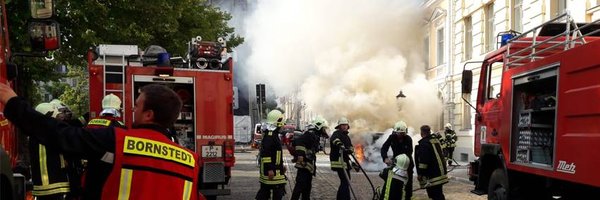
x=349 y=58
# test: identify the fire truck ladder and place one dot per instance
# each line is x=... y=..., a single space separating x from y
x=115 y=69
x=572 y=37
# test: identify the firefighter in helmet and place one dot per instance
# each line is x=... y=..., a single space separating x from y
x=450 y=141
x=111 y=112
x=75 y=165
x=48 y=165
x=272 y=171
x=341 y=148
x=430 y=164
x=401 y=144
x=111 y=106
x=396 y=179
x=306 y=147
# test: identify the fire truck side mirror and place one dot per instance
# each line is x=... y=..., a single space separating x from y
x=44 y=35
x=467 y=81
x=42 y=9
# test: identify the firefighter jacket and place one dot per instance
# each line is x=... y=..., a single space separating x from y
x=271 y=158
x=48 y=170
x=450 y=138
x=99 y=166
x=430 y=162
x=144 y=158
x=160 y=159
x=401 y=144
x=105 y=121
x=340 y=139
x=440 y=139
x=394 y=187
x=307 y=145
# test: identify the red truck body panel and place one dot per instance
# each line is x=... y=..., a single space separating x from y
x=577 y=117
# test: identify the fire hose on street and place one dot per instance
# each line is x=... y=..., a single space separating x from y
x=375 y=195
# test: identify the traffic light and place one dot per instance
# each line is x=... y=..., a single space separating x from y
x=260 y=93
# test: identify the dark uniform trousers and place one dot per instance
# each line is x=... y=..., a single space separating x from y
x=436 y=192
x=343 y=192
x=274 y=192
x=303 y=184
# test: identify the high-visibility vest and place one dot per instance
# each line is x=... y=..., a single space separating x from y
x=147 y=165
x=103 y=122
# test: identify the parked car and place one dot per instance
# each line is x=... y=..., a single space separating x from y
x=257 y=136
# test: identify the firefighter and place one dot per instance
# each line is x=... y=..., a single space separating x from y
x=272 y=171
x=431 y=167
x=306 y=148
x=48 y=166
x=396 y=179
x=401 y=144
x=450 y=141
x=340 y=162
x=135 y=156
x=111 y=106
x=75 y=165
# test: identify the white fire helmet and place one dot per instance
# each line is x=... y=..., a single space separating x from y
x=45 y=108
x=319 y=122
x=402 y=162
x=111 y=101
x=448 y=126
x=58 y=104
x=342 y=121
x=400 y=126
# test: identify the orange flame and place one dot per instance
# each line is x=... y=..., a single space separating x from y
x=359 y=152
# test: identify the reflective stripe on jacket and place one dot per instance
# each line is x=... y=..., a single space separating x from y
x=271 y=158
x=338 y=159
x=147 y=165
x=430 y=162
x=49 y=170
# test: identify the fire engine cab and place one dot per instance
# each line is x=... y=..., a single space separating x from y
x=203 y=81
x=537 y=119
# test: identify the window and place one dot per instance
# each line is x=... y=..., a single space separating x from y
x=490 y=37
x=468 y=38
x=494 y=77
x=440 y=46
x=558 y=7
x=517 y=15
x=426 y=48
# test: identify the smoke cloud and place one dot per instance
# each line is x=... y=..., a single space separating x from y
x=348 y=57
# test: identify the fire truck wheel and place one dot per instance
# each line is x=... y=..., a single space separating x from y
x=498 y=186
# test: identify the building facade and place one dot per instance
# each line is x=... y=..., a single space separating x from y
x=463 y=31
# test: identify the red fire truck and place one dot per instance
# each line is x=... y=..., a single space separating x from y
x=44 y=36
x=537 y=120
x=204 y=82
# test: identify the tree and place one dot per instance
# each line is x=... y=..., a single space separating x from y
x=84 y=24
x=77 y=97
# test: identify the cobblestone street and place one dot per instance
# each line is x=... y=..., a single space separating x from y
x=244 y=183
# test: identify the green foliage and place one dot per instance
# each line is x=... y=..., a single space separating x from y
x=56 y=88
x=84 y=24
x=77 y=97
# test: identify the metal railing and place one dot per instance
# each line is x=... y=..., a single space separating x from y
x=571 y=36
